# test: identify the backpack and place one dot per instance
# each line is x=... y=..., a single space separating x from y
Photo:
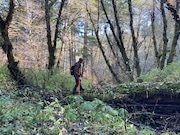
x=72 y=70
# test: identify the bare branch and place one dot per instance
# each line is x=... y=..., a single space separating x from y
x=10 y=13
x=57 y=23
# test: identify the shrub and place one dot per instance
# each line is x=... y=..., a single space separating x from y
x=6 y=81
x=57 y=82
x=169 y=73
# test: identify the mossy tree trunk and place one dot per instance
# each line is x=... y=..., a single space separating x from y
x=176 y=34
x=157 y=56
x=134 y=41
x=118 y=38
x=165 y=40
x=7 y=46
x=161 y=56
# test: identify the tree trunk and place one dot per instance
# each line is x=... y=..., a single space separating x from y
x=175 y=39
x=154 y=37
x=72 y=47
x=59 y=56
x=114 y=51
x=134 y=41
x=165 y=40
x=85 y=49
x=8 y=48
x=49 y=41
x=52 y=46
x=118 y=39
x=102 y=51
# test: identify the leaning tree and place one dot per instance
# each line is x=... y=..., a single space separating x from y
x=7 y=47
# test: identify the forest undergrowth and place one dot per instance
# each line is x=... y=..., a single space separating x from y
x=41 y=109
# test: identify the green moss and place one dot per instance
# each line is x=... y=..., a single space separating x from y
x=169 y=73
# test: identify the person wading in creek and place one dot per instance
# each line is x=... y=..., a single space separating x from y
x=77 y=75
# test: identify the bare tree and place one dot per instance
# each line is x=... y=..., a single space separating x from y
x=134 y=41
x=52 y=45
x=7 y=46
x=160 y=55
x=102 y=50
x=118 y=38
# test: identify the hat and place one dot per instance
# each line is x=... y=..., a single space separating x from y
x=81 y=60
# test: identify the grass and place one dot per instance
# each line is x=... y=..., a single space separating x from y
x=169 y=73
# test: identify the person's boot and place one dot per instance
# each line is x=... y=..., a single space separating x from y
x=82 y=89
x=74 y=92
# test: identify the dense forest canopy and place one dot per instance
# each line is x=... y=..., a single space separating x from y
x=119 y=40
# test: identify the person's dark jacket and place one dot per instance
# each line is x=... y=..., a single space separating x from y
x=77 y=67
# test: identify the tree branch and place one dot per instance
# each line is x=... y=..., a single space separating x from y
x=103 y=52
x=57 y=23
x=2 y=23
x=10 y=13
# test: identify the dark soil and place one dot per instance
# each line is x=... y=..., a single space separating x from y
x=158 y=117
